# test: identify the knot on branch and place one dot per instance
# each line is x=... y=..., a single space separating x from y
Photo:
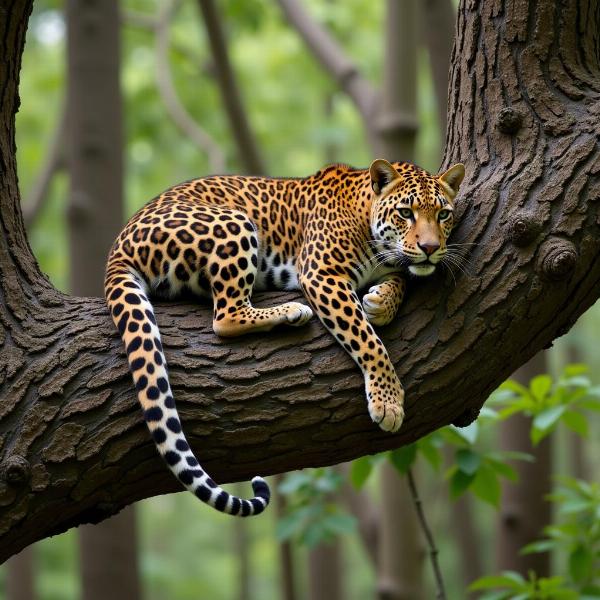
x=467 y=417
x=510 y=120
x=524 y=229
x=15 y=470
x=557 y=259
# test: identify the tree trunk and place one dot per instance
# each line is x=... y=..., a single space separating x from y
x=108 y=559
x=524 y=118
x=287 y=584
x=20 y=576
x=400 y=568
x=325 y=572
x=525 y=511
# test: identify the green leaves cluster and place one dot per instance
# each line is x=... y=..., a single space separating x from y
x=549 y=403
x=313 y=516
x=577 y=534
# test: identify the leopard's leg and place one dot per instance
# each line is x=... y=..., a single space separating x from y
x=382 y=301
x=231 y=270
x=336 y=303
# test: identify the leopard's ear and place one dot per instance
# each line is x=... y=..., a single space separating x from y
x=382 y=173
x=452 y=178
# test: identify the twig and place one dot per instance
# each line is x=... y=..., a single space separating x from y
x=433 y=551
x=332 y=57
x=230 y=93
x=176 y=110
x=55 y=156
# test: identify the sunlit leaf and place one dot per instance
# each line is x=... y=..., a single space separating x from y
x=540 y=386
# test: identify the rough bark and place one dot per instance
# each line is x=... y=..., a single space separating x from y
x=524 y=118
x=525 y=510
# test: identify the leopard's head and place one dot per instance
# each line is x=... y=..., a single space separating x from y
x=412 y=213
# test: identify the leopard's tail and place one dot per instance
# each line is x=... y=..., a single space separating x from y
x=127 y=299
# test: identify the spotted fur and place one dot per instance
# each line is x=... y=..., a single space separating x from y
x=330 y=234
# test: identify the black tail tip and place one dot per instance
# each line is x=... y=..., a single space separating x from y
x=261 y=489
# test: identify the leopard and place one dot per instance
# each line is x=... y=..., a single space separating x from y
x=333 y=235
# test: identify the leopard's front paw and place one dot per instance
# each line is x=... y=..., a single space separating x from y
x=297 y=314
x=378 y=309
x=386 y=405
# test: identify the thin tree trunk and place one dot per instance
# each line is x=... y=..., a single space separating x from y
x=401 y=554
x=108 y=558
x=230 y=93
x=525 y=511
x=325 y=572
x=467 y=539
x=108 y=551
x=74 y=448
x=20 y=573
x=286 y=559
x=437 y=27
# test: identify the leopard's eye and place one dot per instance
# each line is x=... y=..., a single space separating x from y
x=443 y=215
x=406 y=213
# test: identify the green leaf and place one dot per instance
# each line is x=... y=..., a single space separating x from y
x=508 y=579
x=580 y=564
x=459 y=482
x=502 y=468
x=429 y=448
x=403 y=458
x=540 y=386
x=544 y=421
x=515 y=387
x=538 y=547
x=576 y=422
x=339 y=523
x=486 y=485
x=294 y=481
x=575 y=369
x=360 y=470
x=467 y=460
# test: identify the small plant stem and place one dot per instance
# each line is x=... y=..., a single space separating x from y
x=433 y=551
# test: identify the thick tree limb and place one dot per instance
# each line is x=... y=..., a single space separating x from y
x=73 y=447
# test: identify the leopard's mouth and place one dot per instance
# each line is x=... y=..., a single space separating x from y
x=422 y=269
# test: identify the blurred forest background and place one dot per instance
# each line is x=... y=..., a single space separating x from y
x=346 y=532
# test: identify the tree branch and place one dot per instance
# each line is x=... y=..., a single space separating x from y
x=332 y=58
x=230 y=94
x=73 y=446
x=164 y=81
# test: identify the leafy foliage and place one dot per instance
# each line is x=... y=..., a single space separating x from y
x=313 y=516
x=549 y=403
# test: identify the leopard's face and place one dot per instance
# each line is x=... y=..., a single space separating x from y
x=412 y=214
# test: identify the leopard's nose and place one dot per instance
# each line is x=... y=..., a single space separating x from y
x=429 y=247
